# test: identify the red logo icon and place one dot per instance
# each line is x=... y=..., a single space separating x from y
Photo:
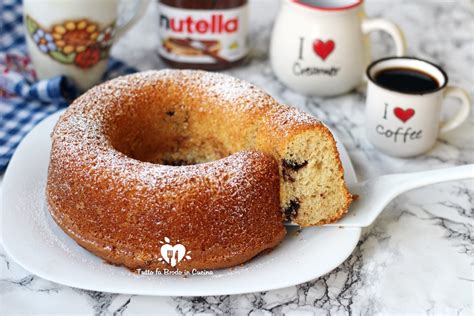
x=323 y=49
x=403 y=115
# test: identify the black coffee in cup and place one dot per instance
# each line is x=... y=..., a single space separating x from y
x=406 y=80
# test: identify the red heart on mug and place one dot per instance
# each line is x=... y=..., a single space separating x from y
x=323 y=49
x=403 y=115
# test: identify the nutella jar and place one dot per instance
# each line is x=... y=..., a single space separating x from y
x=203 y=34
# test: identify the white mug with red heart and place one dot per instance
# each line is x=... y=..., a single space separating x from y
x=404 y=103
x=320 y=47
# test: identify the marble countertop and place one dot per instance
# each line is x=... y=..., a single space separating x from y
x=418 y=255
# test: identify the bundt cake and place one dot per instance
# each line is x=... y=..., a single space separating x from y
x=193 y=158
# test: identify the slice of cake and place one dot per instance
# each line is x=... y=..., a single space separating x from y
x=312 y=187
x=233 y=115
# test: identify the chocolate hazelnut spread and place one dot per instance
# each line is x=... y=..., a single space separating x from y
x=203 y=34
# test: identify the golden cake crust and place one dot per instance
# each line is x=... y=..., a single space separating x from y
x=110 y=188
x=224 y=212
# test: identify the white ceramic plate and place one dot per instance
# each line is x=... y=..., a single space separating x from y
x=33 y=240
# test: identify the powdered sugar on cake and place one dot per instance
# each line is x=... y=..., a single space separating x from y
x=83 y=126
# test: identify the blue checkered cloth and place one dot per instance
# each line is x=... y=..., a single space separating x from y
x=24 y=101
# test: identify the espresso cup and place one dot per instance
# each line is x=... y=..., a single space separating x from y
x=321 y=47
x=74 y=37
x=404 y=103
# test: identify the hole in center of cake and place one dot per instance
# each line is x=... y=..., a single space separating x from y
x=167 y=137
x=176 y=152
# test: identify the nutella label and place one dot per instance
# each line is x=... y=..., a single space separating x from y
x=202 y=36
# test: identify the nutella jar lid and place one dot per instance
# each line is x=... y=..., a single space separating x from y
x=204 y=4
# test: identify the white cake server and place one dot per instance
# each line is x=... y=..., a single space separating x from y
x=375 y=194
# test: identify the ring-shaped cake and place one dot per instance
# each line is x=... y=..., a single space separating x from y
x=193 y=158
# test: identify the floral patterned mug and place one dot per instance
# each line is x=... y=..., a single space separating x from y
x=74 y=37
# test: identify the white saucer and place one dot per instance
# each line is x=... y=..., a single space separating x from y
x=34 y=241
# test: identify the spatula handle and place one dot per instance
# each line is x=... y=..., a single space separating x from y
x=399 y=183
x=375 y=194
